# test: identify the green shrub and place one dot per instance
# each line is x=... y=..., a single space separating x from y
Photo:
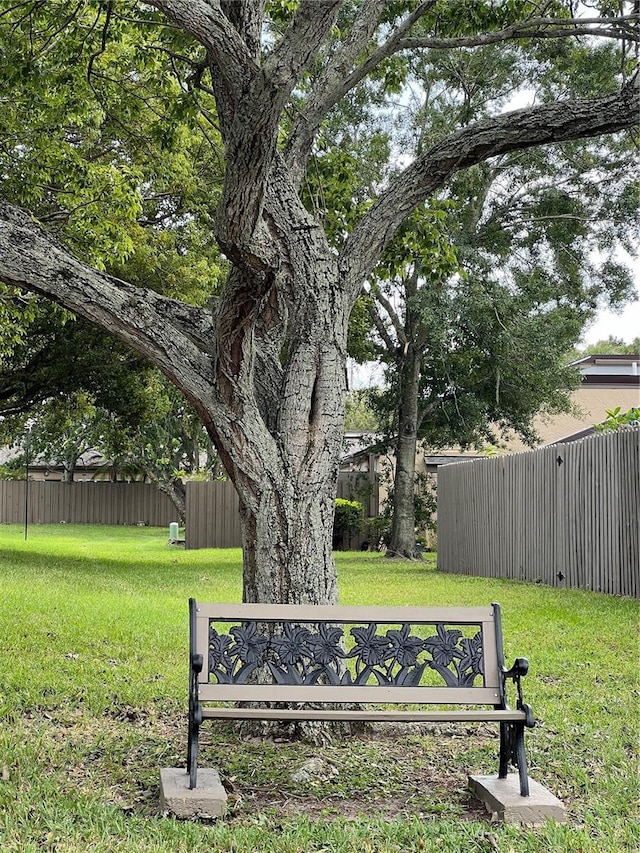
x=617 y=419
x=348 y=517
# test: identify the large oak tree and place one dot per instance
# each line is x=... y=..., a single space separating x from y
x=263 y=365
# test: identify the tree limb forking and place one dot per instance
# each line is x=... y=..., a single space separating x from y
x=340 y=76
x=526 y=128
x=292 y=54
x=328 y=88
x=247 y=19
x=169 y=333
x=251 y=137
x=228 y=53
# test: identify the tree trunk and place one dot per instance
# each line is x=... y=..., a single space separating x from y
x=288 y=537
x=283 y=449
x=176 y=492
x=403 y=537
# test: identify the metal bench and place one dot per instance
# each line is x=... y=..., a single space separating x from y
x=351 y=664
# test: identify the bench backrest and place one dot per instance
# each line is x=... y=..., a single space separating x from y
x=319 y=654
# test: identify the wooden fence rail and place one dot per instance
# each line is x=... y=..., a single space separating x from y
x=565 y=515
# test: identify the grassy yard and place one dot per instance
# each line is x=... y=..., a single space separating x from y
x=93 y=650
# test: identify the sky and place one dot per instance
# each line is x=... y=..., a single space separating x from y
x=625 y=325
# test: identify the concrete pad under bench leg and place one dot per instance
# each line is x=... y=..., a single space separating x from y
x=503 y=799
x=208 y=800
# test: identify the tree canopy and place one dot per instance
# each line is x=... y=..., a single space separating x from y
x=609 y=346
x=112 y=138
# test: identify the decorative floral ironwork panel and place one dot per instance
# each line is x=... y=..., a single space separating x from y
x=300 y=655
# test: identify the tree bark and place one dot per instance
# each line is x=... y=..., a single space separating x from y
x=282 y=448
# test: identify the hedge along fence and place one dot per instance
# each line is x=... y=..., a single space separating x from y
x=565 y=515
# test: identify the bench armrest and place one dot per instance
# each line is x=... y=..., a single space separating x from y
x=516 y=672
x=195 y=708
x=519 y=669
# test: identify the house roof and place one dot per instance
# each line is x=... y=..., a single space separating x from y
x=436 y=459
x=89 y=459
x=358 y=444
x=609 y=369
x=608 y=381
x=611 y=359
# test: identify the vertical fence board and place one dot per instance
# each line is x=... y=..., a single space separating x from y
x=630 y=488
x=566 y=515
x=213 y=516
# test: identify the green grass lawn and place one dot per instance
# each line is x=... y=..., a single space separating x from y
x=93 y=671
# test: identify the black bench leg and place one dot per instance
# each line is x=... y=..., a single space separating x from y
x=512 y=750
x=505 y=750
x=521 y=760
x=195 y=712
x=192 y=752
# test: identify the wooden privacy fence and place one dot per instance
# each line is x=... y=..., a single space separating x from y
x=565 y=515
x=213 y=517
x=85 y=503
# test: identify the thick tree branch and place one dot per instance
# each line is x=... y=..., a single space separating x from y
x=250 y=101
x=251 y=138
x=161 y=329
x=228 y=54
x=541 y=125
x=293 y=53
x=247 y=18
x=328 y=88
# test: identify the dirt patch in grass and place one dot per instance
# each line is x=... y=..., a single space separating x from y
x=389 y=773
